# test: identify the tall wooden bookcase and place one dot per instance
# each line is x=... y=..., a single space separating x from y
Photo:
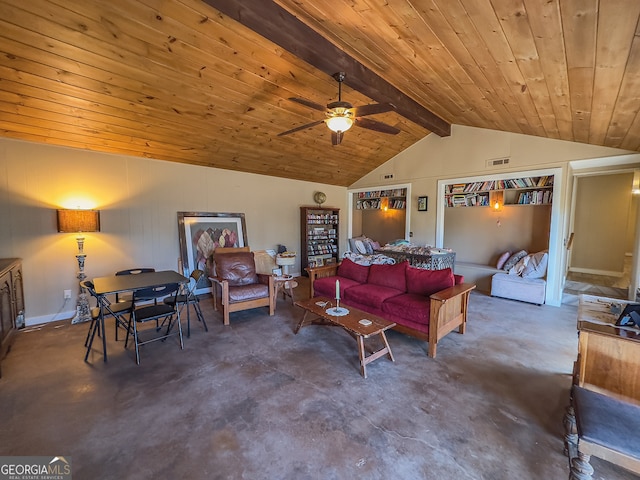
x=319 y=237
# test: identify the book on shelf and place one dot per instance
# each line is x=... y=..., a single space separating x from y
x=535 y=197
x=459 y=200
x=541 y=197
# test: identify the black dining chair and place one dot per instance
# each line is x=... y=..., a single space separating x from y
x=131 y=271
x=128 y=297
x=116 y=310
x=188 y=297
x=156 y=311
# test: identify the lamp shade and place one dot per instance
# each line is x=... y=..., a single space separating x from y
x=74 y=221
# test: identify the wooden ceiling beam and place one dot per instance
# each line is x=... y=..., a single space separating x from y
x=282 y=28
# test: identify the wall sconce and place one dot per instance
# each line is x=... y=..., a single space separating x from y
x=384 y=203
x=80 y=221
x=496 y=200
x=635 y=186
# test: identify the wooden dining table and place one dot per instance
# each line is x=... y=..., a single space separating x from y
x=113 y=284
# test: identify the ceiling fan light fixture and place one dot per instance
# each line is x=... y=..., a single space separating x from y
x=339 y=124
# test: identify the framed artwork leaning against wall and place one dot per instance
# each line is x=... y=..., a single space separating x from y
x=200 y=233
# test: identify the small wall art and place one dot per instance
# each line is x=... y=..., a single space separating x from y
x=423 y=203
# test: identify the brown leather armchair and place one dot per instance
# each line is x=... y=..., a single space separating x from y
x=240 y=287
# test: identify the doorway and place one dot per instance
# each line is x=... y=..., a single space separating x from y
x=604 y=227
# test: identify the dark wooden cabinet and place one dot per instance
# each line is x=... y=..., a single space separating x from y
x=11 y=301
x=319 y=238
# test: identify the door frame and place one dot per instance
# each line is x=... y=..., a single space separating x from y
x=576 y=174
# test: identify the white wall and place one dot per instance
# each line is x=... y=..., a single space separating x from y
x=139 y=200
x=600 y=224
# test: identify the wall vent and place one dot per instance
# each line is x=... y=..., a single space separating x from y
x=386 y=176
x=496 y=162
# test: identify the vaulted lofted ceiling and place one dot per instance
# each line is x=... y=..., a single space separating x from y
x=188 y=81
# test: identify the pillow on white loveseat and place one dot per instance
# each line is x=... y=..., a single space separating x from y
x=537 y=265
x=513 y=259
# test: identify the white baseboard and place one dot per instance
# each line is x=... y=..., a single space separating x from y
x=31 y=321
x=592 y=271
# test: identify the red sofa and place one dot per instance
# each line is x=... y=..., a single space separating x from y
x=426 y=304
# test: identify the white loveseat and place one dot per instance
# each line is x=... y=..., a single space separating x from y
x=515 y=287
x=523 y=280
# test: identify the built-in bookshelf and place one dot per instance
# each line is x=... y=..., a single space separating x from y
x=512 y=191
x=378 y=199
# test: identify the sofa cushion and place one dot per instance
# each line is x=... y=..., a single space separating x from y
x=392 y=276
x=537 y=266
x=238 y=268
x=362 y=245
x=360 y=248
x=519 y=267
x=369 y=294
x=326 y=286
x=502 y=260
x=427 y=282
x=413 y=307
x=349 y=269
x=513 y=259
x=243 y=293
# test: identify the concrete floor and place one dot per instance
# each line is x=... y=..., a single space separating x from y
x=254 y=401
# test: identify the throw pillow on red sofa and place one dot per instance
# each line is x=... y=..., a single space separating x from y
x=392 y=276
x=427 y=282
x=349 y=269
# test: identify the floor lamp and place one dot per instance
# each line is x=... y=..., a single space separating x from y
x=80 y=221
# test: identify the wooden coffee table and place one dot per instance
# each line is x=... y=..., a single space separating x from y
x=316 y=308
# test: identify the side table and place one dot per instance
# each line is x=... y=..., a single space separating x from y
x=284 y=284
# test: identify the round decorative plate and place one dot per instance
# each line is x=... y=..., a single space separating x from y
x=319 y=198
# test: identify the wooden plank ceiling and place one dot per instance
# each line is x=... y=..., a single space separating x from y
x=180 y=81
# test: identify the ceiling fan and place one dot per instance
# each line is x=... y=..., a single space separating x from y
x=341 y=116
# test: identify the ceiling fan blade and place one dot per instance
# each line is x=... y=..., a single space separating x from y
x=336 y=138
x=301 y=127
x=308 y=103
x=377 y=126
x=372 y=109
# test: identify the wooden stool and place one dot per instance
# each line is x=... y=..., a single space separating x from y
x=607 y=427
